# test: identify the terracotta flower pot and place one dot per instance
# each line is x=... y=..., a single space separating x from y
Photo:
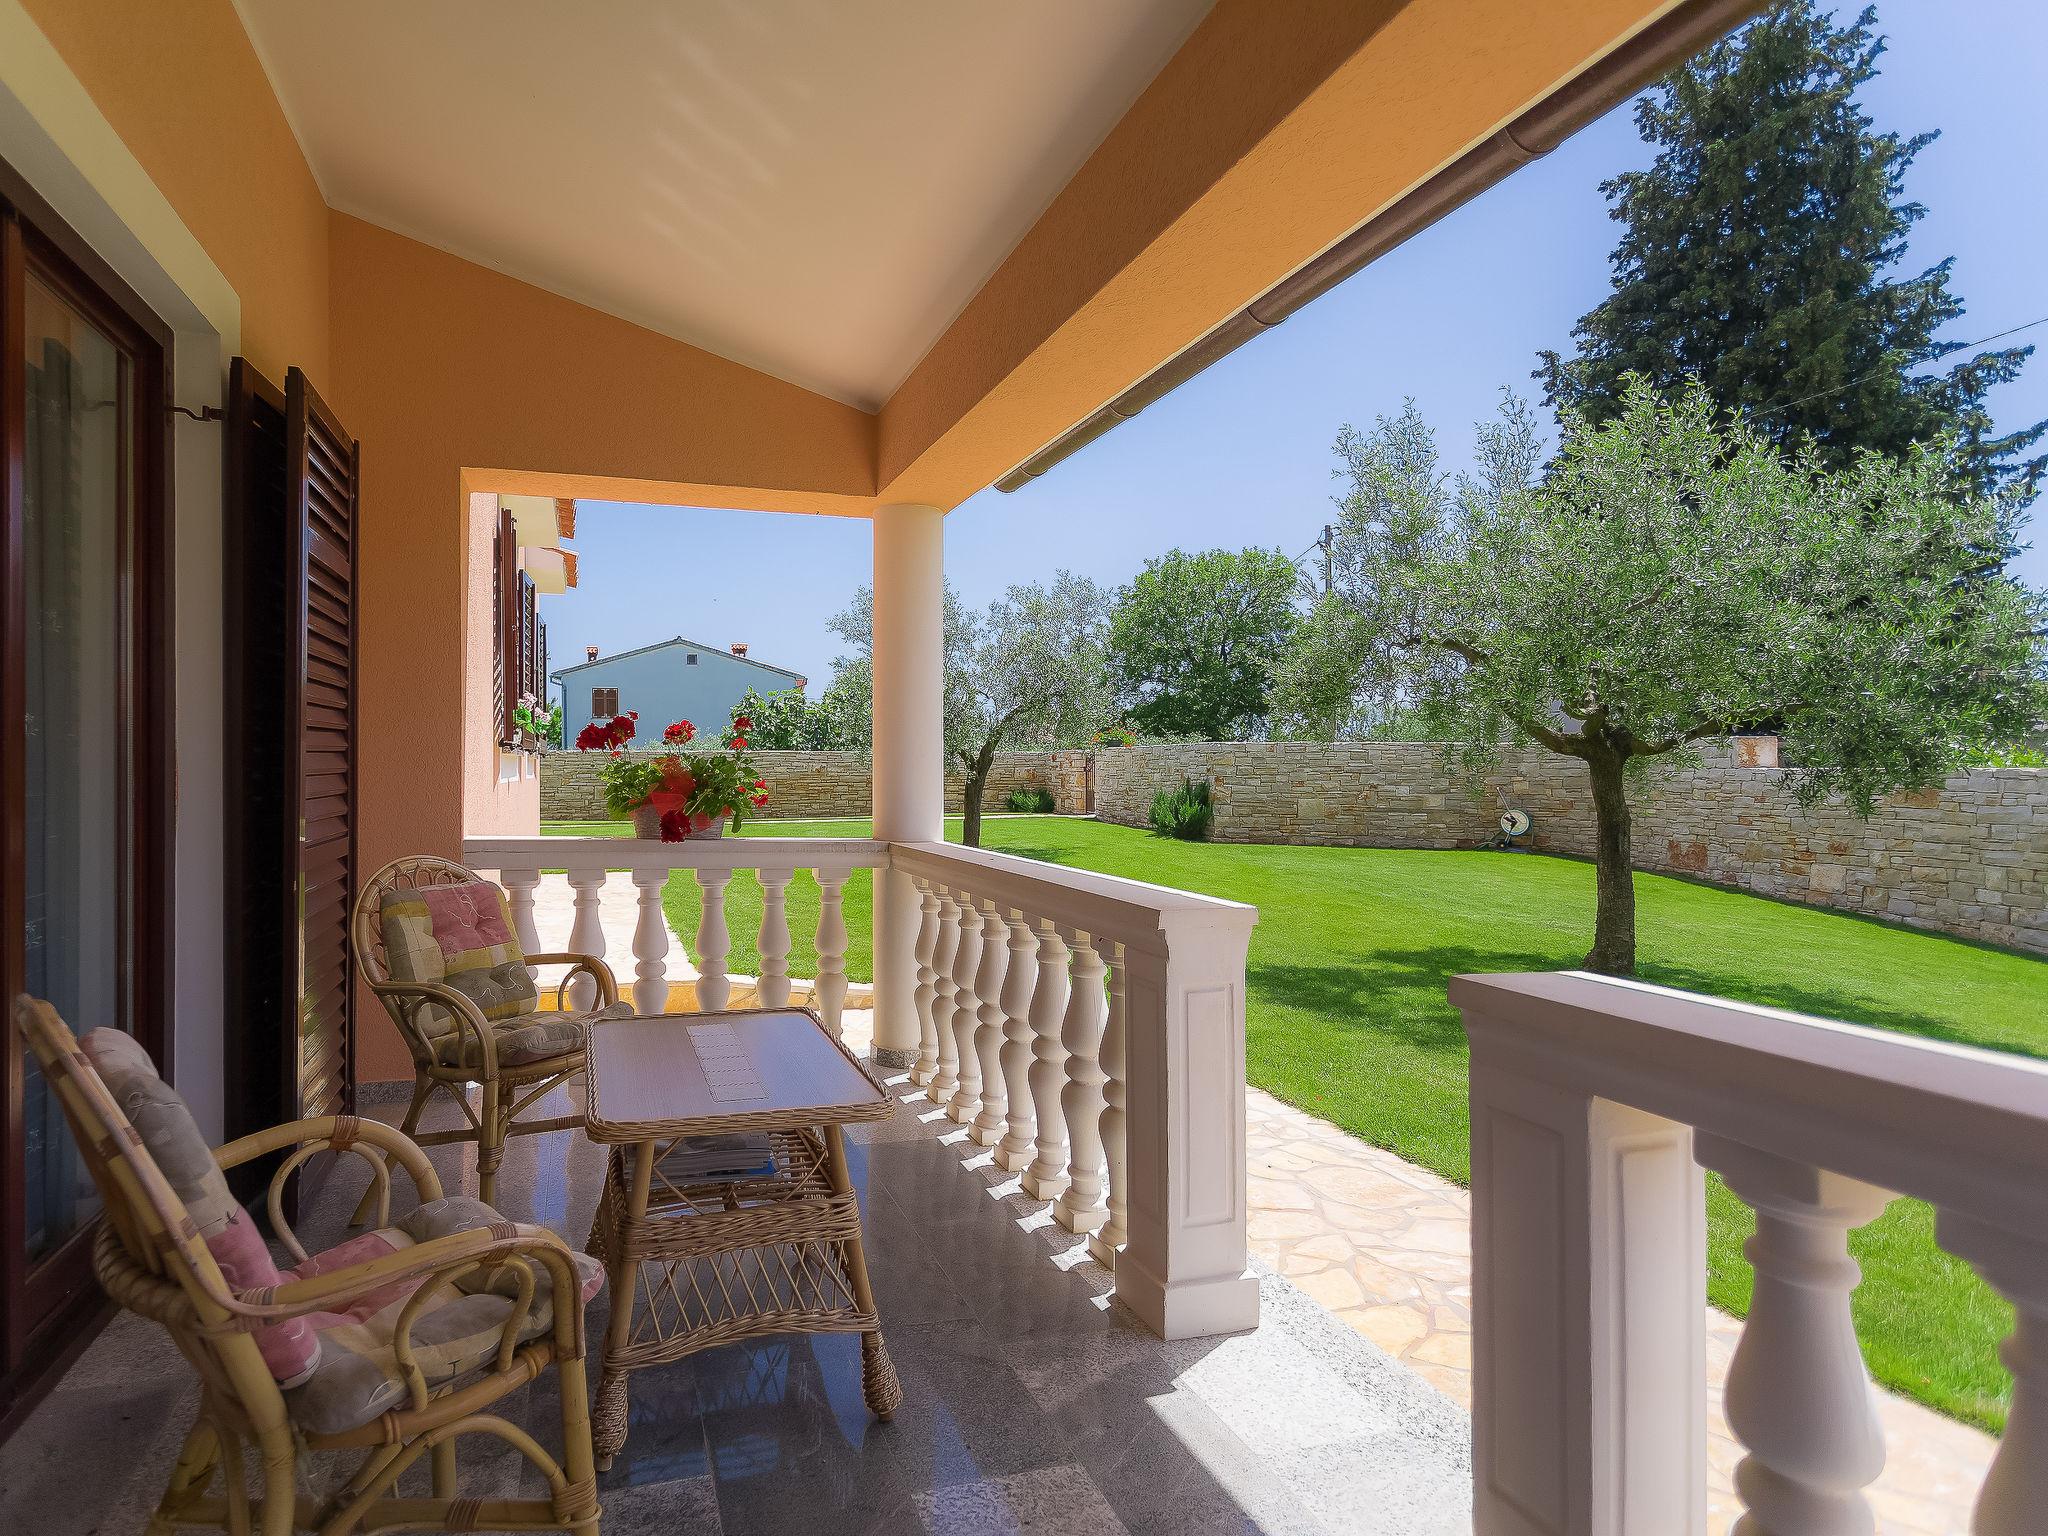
x=646 y=821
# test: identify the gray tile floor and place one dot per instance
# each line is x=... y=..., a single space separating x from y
x=1031 y=1402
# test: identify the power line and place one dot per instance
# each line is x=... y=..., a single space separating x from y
x=1961 y=346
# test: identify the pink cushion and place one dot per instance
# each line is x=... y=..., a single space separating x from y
x=291 y=1349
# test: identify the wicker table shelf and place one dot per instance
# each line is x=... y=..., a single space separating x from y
x=698 y=1264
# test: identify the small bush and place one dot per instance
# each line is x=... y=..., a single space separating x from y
x=1184 y=812
x=1039 y=800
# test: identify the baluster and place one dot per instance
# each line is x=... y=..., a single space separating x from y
x=987 y=1128
x=1080 y=1207
x=1047 y=1175
x=772 y=988
x=1020 y=981
x=2014 y=1264
x=946 y=1075
x=1103 y=1245
x=966 y=1099
x=927 y=1062
x=830 y=995
x=519 y=885
x=586 y=934
x=713 y=942
x=650 y=945
x=1798 y=1397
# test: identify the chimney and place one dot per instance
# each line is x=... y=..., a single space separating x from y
x=739 y=647
x=589 y=653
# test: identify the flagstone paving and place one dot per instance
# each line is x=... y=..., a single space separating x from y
x=1385 y=1246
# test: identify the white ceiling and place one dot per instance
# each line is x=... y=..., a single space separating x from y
x=812 y=187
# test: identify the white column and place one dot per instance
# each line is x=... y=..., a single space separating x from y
x=586 y=933
x=909 y=750
x=1104 y=1244
x=1020 y=982
x=1080 y=1207
x=650 y=945
x=1798 y=1396
x=2015 y=1264
x=946 y=1068
x=1046 y=1177
x=966 y=1099
x=713 y=942
x=987 y=1128
x=773 y=944
x=519 y=886
x=831 y=946
x=927 y=1062
x=1589 y=1370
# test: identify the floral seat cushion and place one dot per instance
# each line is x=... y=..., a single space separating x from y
x=359 y=1377
x=457 y=936
x=171 y=1137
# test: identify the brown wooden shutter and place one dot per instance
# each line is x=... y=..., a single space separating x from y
x=324 y=465
x=505 y=626
x=260 y=685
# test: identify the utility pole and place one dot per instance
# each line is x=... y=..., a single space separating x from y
x=1328 y=543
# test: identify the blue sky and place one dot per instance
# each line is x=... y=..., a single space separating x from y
x=1241 y=454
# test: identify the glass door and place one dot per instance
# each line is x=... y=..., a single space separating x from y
x=85 y=764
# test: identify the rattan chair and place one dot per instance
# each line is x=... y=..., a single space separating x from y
x=507 y=1089
x=151 y=1259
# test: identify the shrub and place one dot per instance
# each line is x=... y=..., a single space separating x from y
x=1184 y=812
x=1040 y=800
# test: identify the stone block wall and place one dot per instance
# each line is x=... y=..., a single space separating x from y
x=819 y=784
x=1969 y=858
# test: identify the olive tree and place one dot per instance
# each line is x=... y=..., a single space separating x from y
x=1667 y=581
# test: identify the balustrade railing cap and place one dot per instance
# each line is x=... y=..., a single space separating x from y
x=1949 y=1123
x=585 y=853
x=1082 y=897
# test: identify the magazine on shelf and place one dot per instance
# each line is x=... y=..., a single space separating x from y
x=719 y=1159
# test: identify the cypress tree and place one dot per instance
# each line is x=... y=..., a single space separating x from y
x=1760 y=256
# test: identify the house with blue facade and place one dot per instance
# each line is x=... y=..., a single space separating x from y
x=675 y=679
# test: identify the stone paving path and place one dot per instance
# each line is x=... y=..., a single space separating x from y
x=1386 y=1246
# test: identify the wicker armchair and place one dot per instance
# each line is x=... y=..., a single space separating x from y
x=473 y=1051
x=152 y=1259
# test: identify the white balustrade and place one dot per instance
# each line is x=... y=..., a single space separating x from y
x=1595 y=1105
x=519 y=887
x=773 y=943
x=1121 y=1103
x=1046 y=1175
x=966 y=1097
x=648 y=865
x=988 y=1126
x=1080 y=1206
x=946 y=1071
x=1014 y=1151
x=927 y=1062
x=650 y=944
x=1089 y=1030
x=586 y=933
x=830 y=944
x=1116 y=1224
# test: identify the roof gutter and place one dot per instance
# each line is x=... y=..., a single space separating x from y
x=1610 y=80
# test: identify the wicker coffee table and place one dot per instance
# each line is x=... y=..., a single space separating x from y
x=696 y=1262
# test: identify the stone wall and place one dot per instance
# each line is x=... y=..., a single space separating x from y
x=1970 y=858
x=805 y=784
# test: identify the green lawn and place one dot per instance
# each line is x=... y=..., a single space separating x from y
x=1347 y=1017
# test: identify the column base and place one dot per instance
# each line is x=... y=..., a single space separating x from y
x=1188 y=1309
x=1081 y=1223
x=1013 y=1162
x=1043 y=1186
x=894 y=1059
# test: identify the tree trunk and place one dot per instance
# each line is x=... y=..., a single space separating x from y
x=1614 y=922
x=970 y=796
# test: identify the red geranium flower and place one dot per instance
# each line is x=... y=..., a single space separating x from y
x=742 y=723
x=675 y=826
x=759 y=801
x=679 y=731
x=739 y=743
x=760 y=783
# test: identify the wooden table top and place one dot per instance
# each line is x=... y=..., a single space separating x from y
x=765 y=1069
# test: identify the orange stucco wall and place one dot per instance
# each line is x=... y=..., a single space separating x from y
x=182 y=86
